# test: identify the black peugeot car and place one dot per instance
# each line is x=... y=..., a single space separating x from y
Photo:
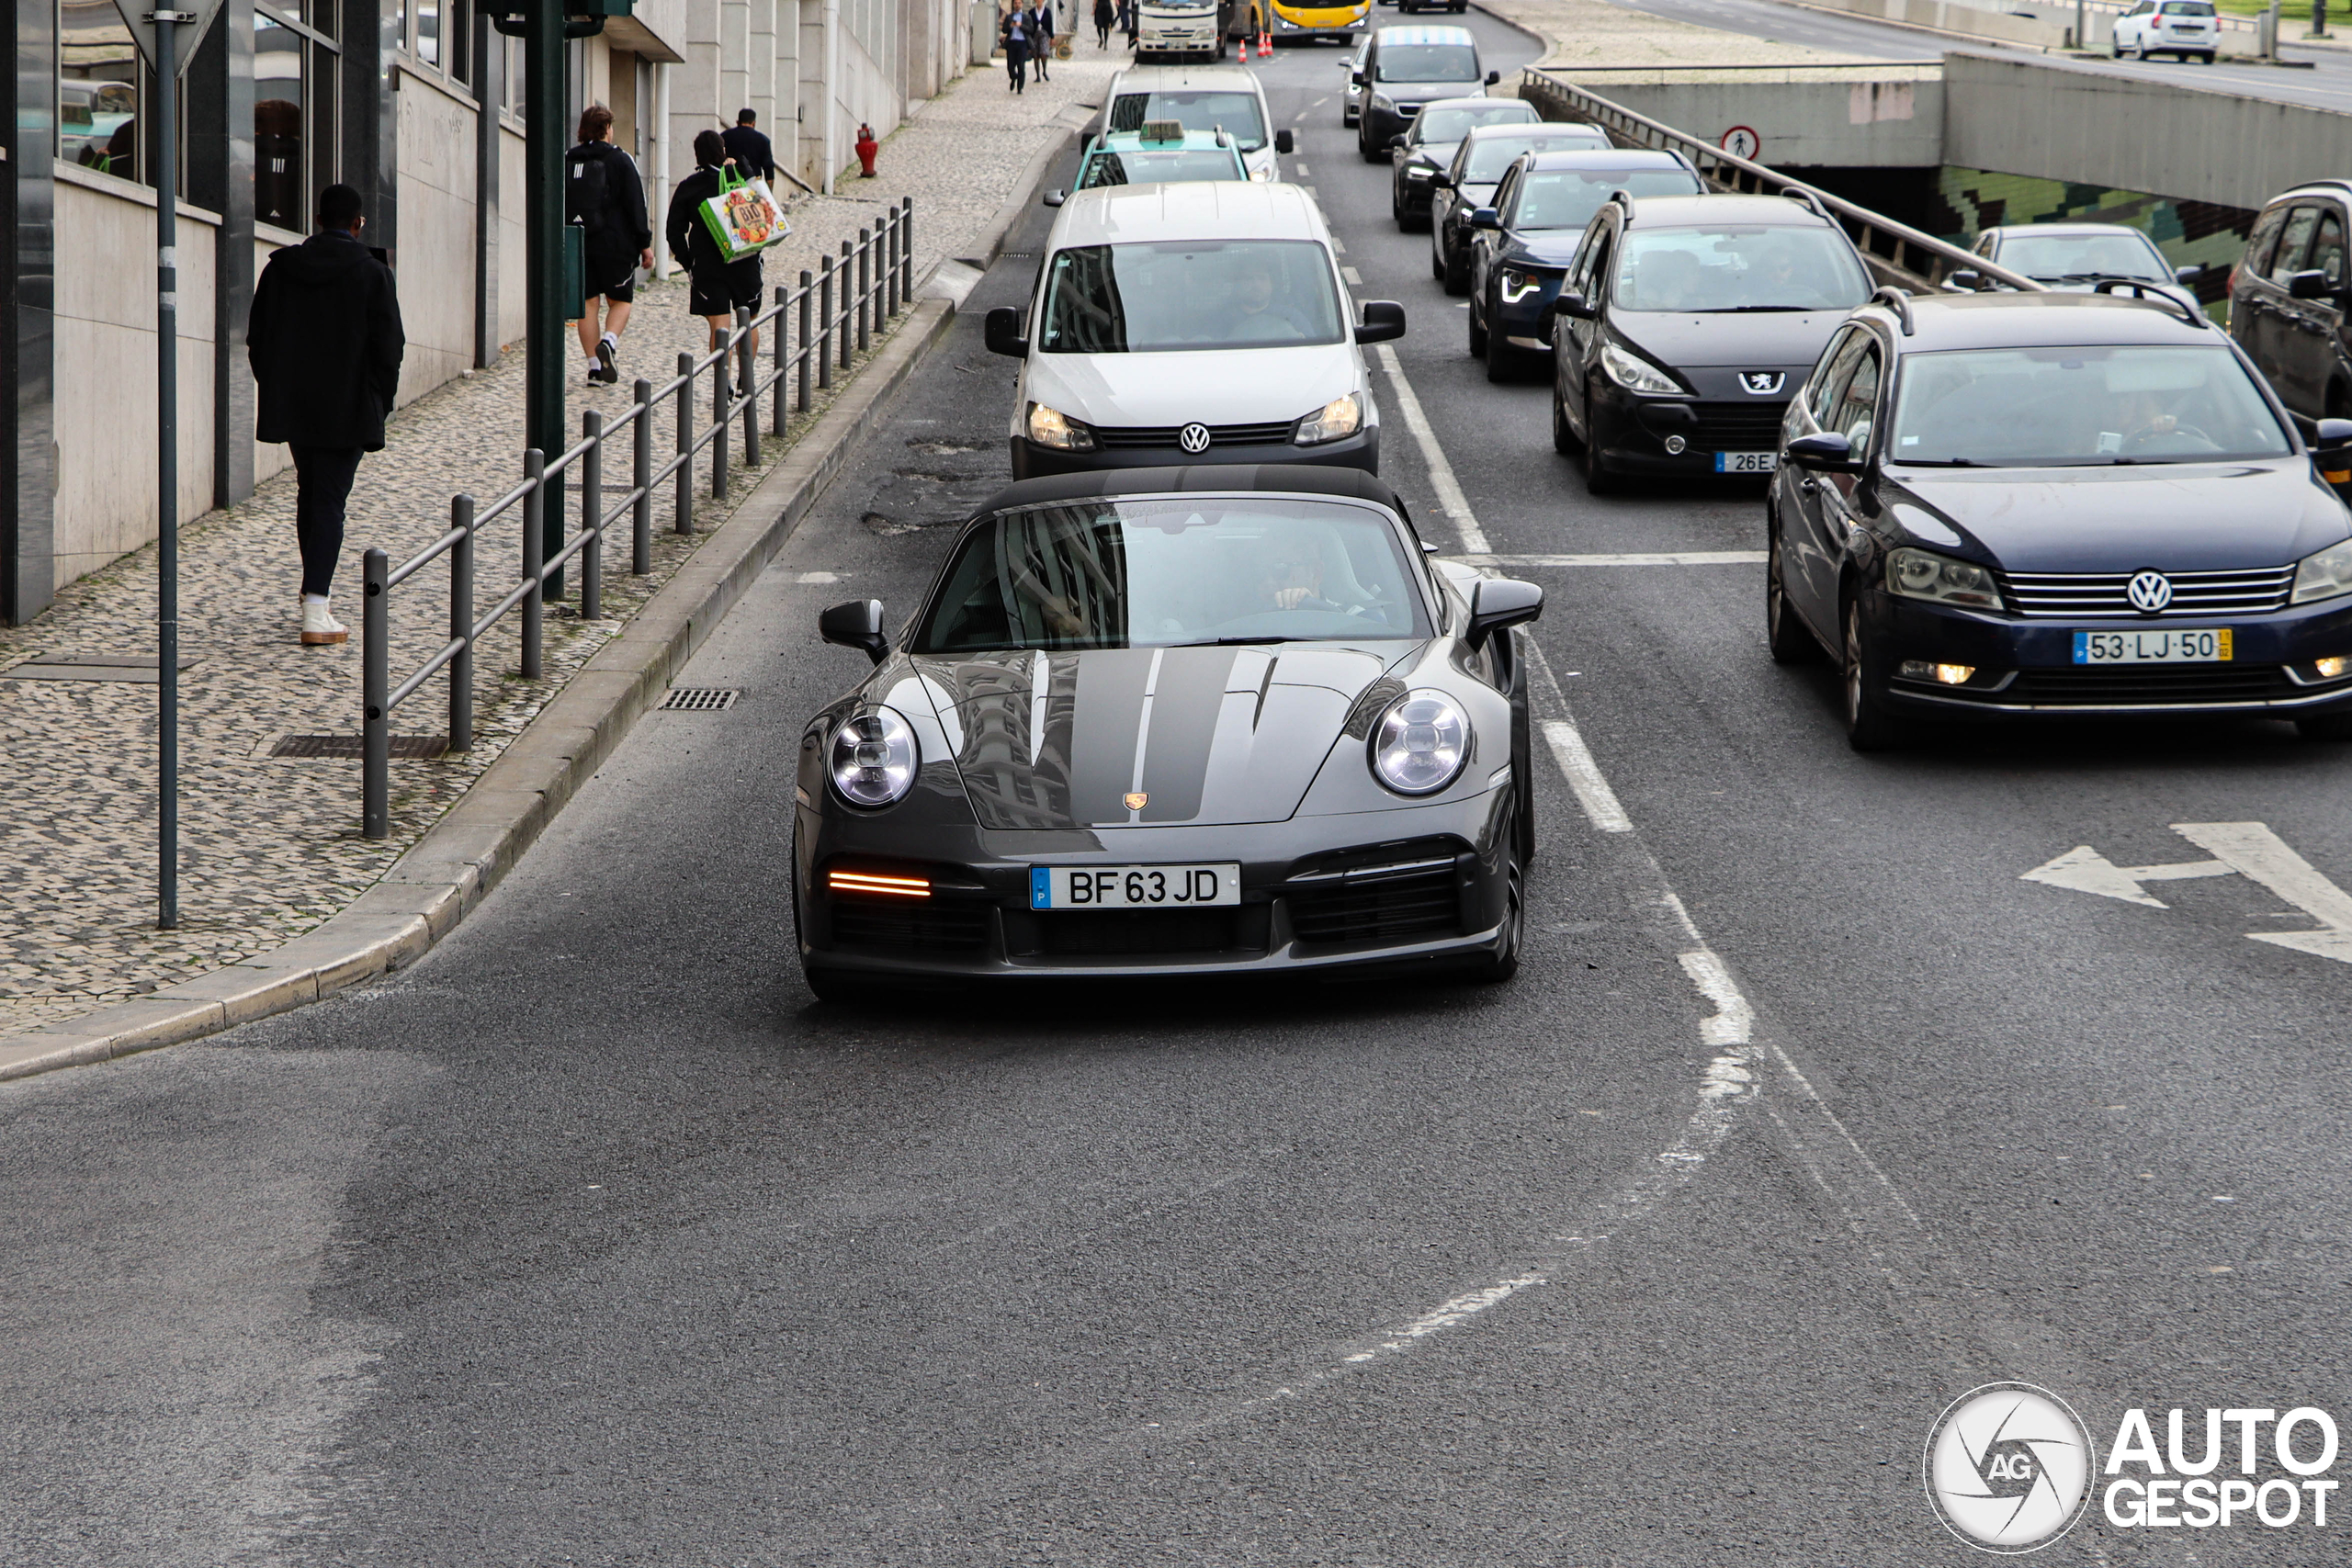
x=2057 y=505
x=1684 y=324
x=1167 y=721
x=1524 y=245
x=1423 y=152
x=1468 y=183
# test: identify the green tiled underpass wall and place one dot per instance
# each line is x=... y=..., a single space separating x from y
x=2188 y=232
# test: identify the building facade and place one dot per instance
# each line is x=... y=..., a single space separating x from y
x=415 y=102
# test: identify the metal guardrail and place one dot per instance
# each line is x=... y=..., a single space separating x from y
x=828 y=318
x=1897 y=253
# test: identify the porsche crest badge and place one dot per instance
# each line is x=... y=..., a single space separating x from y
x=1136 y=800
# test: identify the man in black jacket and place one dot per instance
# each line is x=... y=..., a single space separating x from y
x=754 y=159
x=719 y=284
x=325 y=343
x=603 y=196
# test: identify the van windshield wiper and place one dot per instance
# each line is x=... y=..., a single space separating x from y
x=1943 y=463
x=1228 y=641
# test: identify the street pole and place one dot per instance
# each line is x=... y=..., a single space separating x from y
x=546 y=354
x=167 y=476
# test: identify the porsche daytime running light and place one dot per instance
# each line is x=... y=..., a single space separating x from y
x=2324 y=575
x=874 y=757
x=1917 y=574
x=1518 y=283
x=1420 y=743
x=1633 y=374
x=1051 y=427
x=1341 y=417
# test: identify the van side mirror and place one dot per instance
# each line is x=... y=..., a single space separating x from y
x=2311 y=285
x=1383 y=319
x=1493 y=78
x=1485 y=218
x=857 y=623
x=1001 y=330
x=1055 y=197
x=1285 y=142
x=1826 y=450
x=1967 y=277
x=1500 y=602
x=1355 y=78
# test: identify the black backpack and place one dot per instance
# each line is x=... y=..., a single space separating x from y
x=586 y=197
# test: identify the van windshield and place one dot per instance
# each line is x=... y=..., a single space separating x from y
x=1234 y=112
x=1759 y=267
x=1178 y=295
x=1428 y=62
x=2044 y=407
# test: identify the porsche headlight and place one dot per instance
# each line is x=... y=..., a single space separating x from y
x=2324 y=575
x=1051 y=427
x=1917 y=574
x=874 y=757
x=1518 y=283
x=1420 y=743
x=1635 y=374
x=1342 y=416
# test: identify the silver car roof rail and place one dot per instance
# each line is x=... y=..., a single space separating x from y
x=2154 y=294
x=1894 y=299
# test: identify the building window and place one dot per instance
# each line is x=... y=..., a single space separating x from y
x=100 y=84
x=294 y=121
x=435 y=33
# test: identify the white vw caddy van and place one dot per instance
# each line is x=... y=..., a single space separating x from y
x=1203 y=323
x=1204 y=98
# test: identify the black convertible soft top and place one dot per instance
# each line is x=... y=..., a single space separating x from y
x=1291 y=478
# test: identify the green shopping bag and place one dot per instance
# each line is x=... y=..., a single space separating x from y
x=743 y=217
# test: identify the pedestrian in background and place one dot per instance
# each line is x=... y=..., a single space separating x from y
x=324 y=341
x=754 y=158
x=602 y=194
x=1017 y=48
x=719 y=284
x=1127 y=20
x=1104 y=15
x=1041 y=34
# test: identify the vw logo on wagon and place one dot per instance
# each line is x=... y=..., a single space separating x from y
x=1762 y=383
x=1194 y=437
x=2149 y=592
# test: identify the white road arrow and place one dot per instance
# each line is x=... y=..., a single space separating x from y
x=2245 y=849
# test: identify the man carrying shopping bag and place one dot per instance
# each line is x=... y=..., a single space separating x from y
x=726 y=273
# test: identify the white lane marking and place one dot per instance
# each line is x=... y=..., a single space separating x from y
x=1449 y=498
x=1735 y=1021
x=1584 y=777
x=1350 y=274
x=1311 y=191
x=1338 y=247
x=1299 y=169
x=818 y=577
x=2085 y=869
x=2245 y=849
x=1644 y=558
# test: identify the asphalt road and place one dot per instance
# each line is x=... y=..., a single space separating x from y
x=594 y=1239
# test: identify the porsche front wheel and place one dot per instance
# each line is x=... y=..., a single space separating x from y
x=1493 y=969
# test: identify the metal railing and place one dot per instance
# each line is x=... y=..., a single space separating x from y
x=818 y=326
x=1896 y=253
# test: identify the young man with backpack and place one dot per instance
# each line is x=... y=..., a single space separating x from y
x=602 y=194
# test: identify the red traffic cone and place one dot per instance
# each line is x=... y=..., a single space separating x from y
x=1266 y=44
x=1245 y=49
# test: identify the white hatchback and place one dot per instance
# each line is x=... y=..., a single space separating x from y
x=1191 y=324
x=2186 y=30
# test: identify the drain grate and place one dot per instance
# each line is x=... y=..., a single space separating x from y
x=406 y=748
x=700 y=699
x=139 y=669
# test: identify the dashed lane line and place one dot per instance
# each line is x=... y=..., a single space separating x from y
x=1449 y=498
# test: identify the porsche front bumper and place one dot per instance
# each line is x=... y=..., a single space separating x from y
x=1417 y=887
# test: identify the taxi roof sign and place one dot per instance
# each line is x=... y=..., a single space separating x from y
x=1153 y=130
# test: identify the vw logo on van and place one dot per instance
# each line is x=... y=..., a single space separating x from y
x=1194 y=438
x=2149 y=592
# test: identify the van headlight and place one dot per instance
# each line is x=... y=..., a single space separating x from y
x=2324 y=575
x=1635 y=374
x=1420 y=743
x=1051 y=427
x=874 y=757
x=1921 y=574
x=1340 y=417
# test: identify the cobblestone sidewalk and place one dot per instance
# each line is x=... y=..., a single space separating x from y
x=271 y=847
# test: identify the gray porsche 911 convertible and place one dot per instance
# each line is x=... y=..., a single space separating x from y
x=1154 y=721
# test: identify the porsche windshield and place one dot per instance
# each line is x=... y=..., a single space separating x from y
x=1175 y=574
x=2014 y=407
x=1759 y=267
x=1171 y=296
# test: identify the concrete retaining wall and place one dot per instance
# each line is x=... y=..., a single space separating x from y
x=1878 y=116
x=2040 y=32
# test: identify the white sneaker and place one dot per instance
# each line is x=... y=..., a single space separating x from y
x=320 y=628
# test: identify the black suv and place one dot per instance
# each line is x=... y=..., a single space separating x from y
x=1684 y=326
x=2287 y=300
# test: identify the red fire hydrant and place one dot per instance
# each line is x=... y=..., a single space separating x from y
x=866 y=147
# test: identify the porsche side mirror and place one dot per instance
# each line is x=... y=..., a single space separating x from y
x=1285 y=142
x=1055 y=197
x=1001 y=330
x=1826 y=450
x=2189 y=274
x=2311 y=285
x=1967 y=277
x=1500 y=602
x=1383 y=319
x=857 y=623
x=1571 y=303
x=1485 y=218
x=1493 y=78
